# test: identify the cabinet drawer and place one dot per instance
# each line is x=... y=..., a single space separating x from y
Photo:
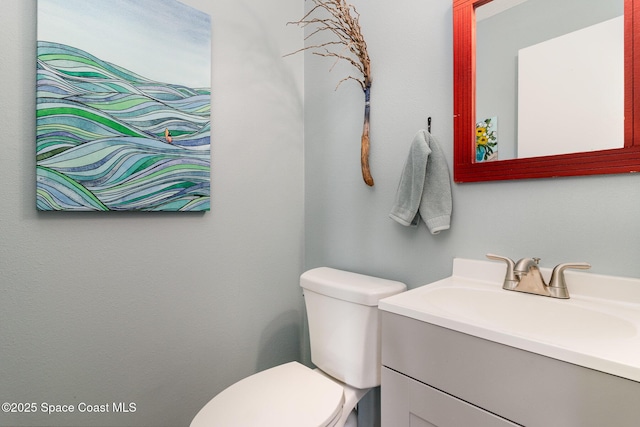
x=407 y=402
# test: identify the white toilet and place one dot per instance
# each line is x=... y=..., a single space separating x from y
x=344 y=331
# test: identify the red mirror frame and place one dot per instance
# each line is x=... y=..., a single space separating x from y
x=614 y=161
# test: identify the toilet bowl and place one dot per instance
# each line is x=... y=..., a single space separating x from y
x=343 y=314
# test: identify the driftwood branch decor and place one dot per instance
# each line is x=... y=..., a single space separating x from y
x=342 y=20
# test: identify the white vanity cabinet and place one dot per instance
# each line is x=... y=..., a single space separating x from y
x=435 y=376
x=407 y=402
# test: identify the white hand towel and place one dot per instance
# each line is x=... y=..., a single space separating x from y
x=425 y=187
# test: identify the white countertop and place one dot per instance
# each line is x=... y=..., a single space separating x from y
x=598 y=327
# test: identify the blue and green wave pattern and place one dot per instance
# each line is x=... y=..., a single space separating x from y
x=102 y=140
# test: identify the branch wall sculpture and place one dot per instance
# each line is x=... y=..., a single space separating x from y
x=342 y=20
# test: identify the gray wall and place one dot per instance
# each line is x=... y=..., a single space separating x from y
x=167 y=310
x=164 y=310
x=410 y=43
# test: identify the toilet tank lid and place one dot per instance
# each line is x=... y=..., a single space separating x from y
x=348 y=286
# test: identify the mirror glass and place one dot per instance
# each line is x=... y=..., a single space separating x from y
x=549 y=78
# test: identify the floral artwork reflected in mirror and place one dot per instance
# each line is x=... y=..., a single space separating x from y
x=487 y=140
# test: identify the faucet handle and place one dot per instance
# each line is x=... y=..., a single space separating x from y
x=557 y=283
x=510 y=279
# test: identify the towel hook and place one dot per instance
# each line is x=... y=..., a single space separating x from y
x=429 y=124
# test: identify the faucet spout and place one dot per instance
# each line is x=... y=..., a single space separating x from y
x=530 y=279
x=524 y=266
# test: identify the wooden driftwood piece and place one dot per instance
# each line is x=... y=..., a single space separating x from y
x=342 y=20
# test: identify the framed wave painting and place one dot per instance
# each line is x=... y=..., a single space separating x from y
x=123 y=106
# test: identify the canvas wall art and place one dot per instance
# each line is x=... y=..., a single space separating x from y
x=123 y=106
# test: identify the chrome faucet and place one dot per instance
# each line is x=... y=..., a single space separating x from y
x=525 y=276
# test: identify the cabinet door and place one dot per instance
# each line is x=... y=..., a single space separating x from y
x=409 y=403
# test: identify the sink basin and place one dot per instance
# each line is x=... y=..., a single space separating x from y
x=528 y=314
x=596 y=328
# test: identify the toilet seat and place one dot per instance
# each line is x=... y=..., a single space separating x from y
x=289 y=395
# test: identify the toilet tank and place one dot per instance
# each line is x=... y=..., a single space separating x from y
x=344 y=323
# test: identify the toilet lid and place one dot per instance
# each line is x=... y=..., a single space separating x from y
x=289 y=395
